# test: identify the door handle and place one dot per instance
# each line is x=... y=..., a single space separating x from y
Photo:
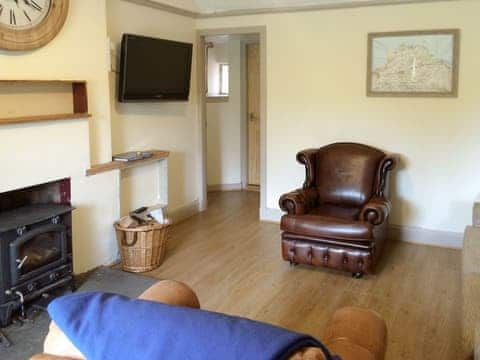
x=252 y=116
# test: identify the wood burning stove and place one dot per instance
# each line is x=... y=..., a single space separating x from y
x=35 y=248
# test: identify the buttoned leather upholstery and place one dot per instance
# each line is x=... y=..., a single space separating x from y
x=315 y=225
x=339 y=218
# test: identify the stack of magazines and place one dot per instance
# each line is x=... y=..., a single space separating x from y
x=132 y=156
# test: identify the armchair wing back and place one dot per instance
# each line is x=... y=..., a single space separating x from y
x=343 y=201
x=346 y=173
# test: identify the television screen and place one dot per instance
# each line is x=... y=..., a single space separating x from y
x=154 y=69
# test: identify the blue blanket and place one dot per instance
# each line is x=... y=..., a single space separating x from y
x=106 y=326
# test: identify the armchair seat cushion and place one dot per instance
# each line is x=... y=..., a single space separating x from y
x=319 y=226
x=335 y=211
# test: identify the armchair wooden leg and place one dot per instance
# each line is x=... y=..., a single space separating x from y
x=357 y=275
x=293 y=263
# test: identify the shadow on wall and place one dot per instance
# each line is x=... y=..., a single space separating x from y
x=177 y=179
x=214 y=147
x=140 y=185
x=402 y=211
x=160 y=109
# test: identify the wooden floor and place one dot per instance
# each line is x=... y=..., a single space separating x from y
x=233 y=262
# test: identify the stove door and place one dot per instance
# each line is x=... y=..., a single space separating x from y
x=38 y=251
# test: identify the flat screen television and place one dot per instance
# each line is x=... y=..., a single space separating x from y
x=154 y=69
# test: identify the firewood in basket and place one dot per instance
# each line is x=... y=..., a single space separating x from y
x=128 y=222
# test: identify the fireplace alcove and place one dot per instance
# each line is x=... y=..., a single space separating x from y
x=50 y=139
x=35 y=244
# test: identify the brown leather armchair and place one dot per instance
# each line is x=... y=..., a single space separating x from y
x=339 y=218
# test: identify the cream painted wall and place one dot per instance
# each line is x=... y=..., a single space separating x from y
x=41 y=99
x=139 y=126
x=316 y=75
x=224 y=123
x=78 y=52
x=37 y=153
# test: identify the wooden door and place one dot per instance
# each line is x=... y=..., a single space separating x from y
x=253 y=113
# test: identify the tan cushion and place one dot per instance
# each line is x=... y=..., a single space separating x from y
x=356 y=333
x=309 y=353
x=350 y=351
x=171 y=292
x=49 y=357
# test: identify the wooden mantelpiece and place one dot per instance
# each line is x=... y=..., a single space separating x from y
x=120 y=165
x=80 y=102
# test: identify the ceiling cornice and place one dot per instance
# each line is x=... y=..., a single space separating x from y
x=288 y=9
x=285 y=9
x=166 y=7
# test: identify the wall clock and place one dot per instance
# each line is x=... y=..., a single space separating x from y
x=30 y=24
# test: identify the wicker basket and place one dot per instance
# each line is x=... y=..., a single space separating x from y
x=142 y=248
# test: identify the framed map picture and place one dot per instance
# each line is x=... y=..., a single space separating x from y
x=413 y=63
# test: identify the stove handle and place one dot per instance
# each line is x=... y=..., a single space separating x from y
x=21 y=262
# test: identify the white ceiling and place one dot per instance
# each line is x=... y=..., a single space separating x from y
x=216 y=6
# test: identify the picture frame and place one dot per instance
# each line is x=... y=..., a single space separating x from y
x=413 y=63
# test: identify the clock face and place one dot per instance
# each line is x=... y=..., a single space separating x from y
x=23 y=14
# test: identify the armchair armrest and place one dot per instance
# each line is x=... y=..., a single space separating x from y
x=298 y=202
x=376 y=211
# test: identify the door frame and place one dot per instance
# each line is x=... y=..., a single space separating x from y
x=246 y=118
x=202 y=108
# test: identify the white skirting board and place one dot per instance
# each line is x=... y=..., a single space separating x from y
x=270 y=215
x=224 y=187
x=416 y=235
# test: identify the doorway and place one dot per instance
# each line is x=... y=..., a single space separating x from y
x=233 y=153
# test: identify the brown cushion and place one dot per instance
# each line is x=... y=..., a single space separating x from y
x=316 y=226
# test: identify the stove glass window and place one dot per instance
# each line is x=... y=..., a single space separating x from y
x=40 y=251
